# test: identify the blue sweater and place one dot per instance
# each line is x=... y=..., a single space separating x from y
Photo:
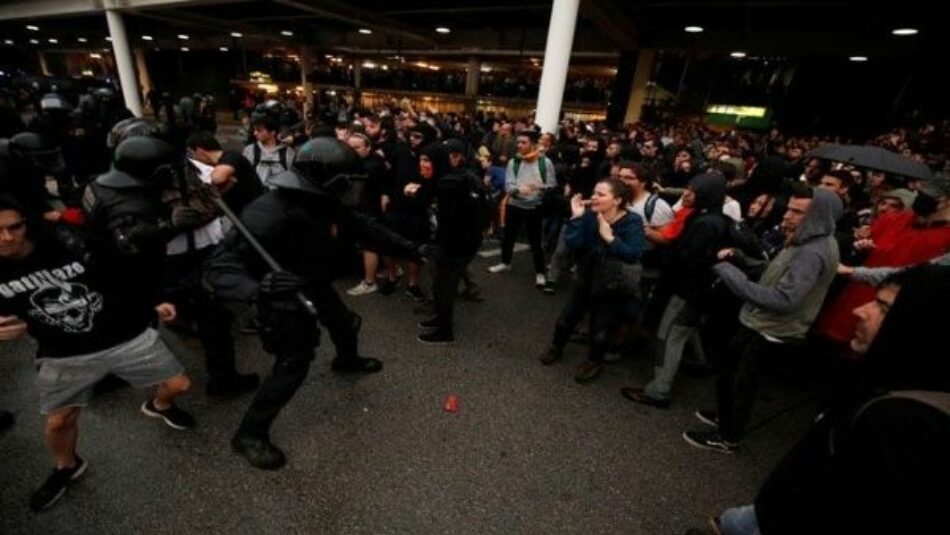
x=582 y=237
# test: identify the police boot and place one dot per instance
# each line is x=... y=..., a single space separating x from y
x=258 y=452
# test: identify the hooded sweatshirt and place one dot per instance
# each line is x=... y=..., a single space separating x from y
x=458 y=234
x=693 y=252
x=789 y=295
x=890 y=465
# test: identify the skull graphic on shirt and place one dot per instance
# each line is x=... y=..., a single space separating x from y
x=68 y=306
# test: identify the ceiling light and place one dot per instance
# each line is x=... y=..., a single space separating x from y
x=109 y=39
x=183 y=37
x=53 y=41
x=369 y=65
x=906 y=31
x=8 y=41
x=34 y=42
x=223 y=49
x=288 y=33
x=146 y=37
x=738 y=54
x=365 y=31
x=95 y=56
x=82 y=39
x=422 y=64
x=237 y=34
x=434 y=67
x=185 y=49
x=693 y=29
x=32 y=28
x=858 y=58
x=443 y=29
x=385 y=67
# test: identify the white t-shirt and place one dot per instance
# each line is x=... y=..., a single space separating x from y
x=662 y=213
x=205 y=236
x=731 y=209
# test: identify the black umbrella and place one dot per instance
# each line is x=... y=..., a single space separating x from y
x=873 y=158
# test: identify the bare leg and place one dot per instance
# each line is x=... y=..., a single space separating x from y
x=169 y=390
x=370 y=266
x=412 y=274
x=62 y=432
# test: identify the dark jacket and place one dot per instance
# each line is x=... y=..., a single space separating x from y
x=885 y=470
x=294 y=226
x=458 y=233
x=690 y=257
x=583 y=237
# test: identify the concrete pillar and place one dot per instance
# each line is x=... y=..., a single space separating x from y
x=472 y=75
x=557 y=58
x=123 y=62
x=305 y=66
x=44 y=67
x=357 y=73
x=640 y=92
x=145 y=81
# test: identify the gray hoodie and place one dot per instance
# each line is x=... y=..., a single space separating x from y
x=788 y=296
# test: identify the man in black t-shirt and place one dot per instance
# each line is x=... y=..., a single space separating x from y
x=233 y=176
x=88 y=322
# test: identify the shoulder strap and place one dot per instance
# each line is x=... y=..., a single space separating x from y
x=282 y=155
x=543 y=168
x=257 y=154
x=516 y=166
x=650 y=208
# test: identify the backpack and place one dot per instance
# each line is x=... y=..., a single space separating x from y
x=281 y=153
x=650 y=208
x=542 y=168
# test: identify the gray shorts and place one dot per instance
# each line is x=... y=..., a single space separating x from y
x=68 y=382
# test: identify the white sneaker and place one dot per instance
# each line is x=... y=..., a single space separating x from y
x=362 y=289
x=540 y=280
x=500 y=268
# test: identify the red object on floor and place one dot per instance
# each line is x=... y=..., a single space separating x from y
x=451 y=403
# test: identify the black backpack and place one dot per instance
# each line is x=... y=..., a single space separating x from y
x=281 y=154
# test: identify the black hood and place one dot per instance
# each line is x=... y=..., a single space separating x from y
x=710 y=190
x=439 y=156
x=909 y=352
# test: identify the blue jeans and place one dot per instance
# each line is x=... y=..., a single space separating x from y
x=739 y=521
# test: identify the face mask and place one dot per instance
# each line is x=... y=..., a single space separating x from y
x=924 y=205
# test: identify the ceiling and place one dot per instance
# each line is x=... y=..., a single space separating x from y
x=494 y=29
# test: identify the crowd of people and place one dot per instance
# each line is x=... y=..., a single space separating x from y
x=721 y=251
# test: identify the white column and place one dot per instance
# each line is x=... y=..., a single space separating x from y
x=641 y=79
x=142 y=69
x=472 y=76
x=305 y=66
x=557 y=58
x=357 y=73
x=124 y=63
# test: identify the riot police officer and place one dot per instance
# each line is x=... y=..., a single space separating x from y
x=293 y=222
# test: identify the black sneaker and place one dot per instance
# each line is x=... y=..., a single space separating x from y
x=386 y=287
x=710 y=440
x=438 y=337
x=56 y=484
x=356 y=365
x=588 y=371
x=549 y=288
x=6 y=420
x=233 y=386
x=415 y=293
x=551 y=355
x=258 y=452
x=173 y=416
x=637 y=395
x=710 y=418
